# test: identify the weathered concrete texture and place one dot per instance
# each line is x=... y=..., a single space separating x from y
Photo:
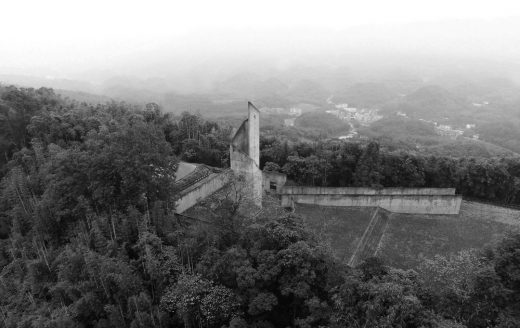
x=254 y=133
x=419 y=204
x=273 y=179
x=302 y=190
x=245 y=155
x=199 y=173
x=183 y=170
x=246 y=169
x=200 y=190
x=240 y=140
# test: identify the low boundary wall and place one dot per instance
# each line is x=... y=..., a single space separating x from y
x=202 y=189
x=397 y=200
x=299 y=190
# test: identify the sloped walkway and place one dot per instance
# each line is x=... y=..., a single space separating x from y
x=196 y=174
x=371 y=238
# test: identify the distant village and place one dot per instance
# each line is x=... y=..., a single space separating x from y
x=292 y=111
x=447 y=130
x=366 y=116
x=363 y=116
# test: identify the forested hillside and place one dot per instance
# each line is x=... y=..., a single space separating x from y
x=89 y=239
x=339 y=164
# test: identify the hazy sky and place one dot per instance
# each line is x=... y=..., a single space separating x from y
x=65 y=37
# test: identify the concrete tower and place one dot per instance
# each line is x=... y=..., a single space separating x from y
x=254 y=133
x=244 y=153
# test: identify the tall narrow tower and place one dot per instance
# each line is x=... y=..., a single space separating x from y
x=244 y=155
x=254 y=133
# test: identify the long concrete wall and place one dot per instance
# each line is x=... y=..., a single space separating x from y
x=423 y=202
x=202 y=189
x=302 y=190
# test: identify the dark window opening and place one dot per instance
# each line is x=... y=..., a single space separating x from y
x=272 y=185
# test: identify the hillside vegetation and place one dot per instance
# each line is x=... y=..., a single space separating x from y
x=90 y=239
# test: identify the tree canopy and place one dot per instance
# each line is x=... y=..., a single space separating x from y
x=89 y=237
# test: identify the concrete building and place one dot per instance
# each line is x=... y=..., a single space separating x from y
x=273 y=181
x=448 y=131
x=195 y=182
x=288 y=122
x=295 y=111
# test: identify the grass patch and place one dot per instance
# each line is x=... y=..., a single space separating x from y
x=339 y=227
x=409 y=238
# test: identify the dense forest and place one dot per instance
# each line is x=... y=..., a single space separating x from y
x=339 y=164
x=88 y=237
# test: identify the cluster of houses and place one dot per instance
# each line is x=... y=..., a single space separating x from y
x=447 y=130
x=364 y=116
x=289 y=122
x=292 y=111
x=482 y=104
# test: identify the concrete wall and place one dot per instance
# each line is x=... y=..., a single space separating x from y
x=397 y=203
x=246 y=168
x=244 y=153
x=254 y=133
x=202 y=189
x=277 y=178
x=240 y=140
x=299 y=190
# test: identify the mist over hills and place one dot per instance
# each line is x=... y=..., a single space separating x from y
x=338 y=80
x=373 y=181
x=198 y=61
x=454 y=72
x=488 y=100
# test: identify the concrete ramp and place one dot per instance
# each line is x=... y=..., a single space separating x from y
x=195 y=182
x=202 y=187
x=340 y=228
x=369 y=243
x=407 y=239
x=183 y=170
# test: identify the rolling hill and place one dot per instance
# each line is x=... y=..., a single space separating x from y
x=410 y=238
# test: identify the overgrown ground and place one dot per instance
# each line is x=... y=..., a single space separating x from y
x=339 y=227
x=410 y=238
